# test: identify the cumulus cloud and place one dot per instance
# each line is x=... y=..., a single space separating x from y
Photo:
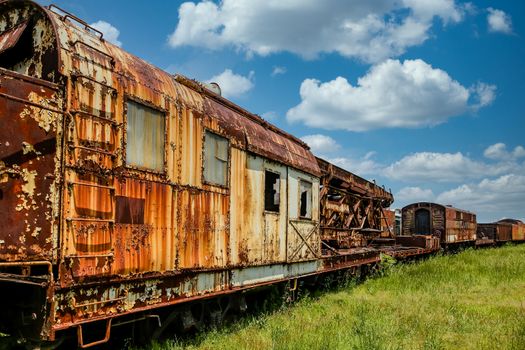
x=321 y=144
x=278 y=70
x=444 y=167
x=414 y=194
x=503 y=196
x=111 y=33
x=392 y=94
x=367 y=30
x=233 y=85
x=498 y=151
x=499 y=21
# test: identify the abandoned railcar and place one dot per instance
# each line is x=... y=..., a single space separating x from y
x=453 y=226
x=124 y=188
x=353 y=210
x=500 y=232
x=517 y=229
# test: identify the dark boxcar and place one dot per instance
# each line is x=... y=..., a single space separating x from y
x=451 y=225
x=498 y=231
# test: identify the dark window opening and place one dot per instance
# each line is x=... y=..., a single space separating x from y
x=422 y=222
x=272 y=191
x=305 y=200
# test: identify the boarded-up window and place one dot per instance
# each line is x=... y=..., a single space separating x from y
x=145 y=137
x=215 y=159
x=305 y=200
x=272 y=191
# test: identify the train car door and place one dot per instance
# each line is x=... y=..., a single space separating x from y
x=303 y=235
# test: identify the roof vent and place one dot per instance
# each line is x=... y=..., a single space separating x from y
x=213 y=87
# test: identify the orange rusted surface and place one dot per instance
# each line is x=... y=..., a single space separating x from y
x=28 y=166
x=388 y=223
x=113 y=233
x=452 y=225
x=518 y=228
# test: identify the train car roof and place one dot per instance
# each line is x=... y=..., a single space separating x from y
x=74 y=37
x=510 y=221
x=422 y=204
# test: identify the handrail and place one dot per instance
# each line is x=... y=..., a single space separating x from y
x=75 y=18
x=80 y=336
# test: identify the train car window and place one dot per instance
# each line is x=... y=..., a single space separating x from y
x=215 y=159
x=145 y=137
x=272 y=191
x=305 y=200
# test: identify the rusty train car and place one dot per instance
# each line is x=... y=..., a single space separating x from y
x=452 y=226
x=124 y=189
x=502 y=231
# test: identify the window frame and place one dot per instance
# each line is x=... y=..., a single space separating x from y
x=309 y=218
x=268 y=211
x=228 y=160
x=165 y=114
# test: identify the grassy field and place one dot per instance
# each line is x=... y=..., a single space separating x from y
x=472 y=300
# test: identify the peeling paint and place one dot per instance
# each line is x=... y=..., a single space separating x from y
x=28 y=148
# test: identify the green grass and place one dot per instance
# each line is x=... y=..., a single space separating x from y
x=472 y=300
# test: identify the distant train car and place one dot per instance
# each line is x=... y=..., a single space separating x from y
x=500 y=232
x=452 y=225
x=518 y=229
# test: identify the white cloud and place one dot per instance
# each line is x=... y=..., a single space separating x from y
x=443 y=167
x=414 y=194
x=503 y=196
x=233 y=85
x=111 y=33
x=363 y=29
x=498 y=151
x=321 y=144
x=482 y=94
x=278 y=70
x=392 y=94
x=499 y=21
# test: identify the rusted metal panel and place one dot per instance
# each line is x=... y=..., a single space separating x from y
x=431 y=243
x=256 y=236
x=203 y=229
x=29 y=115
x=388 y=223
x=190 y=149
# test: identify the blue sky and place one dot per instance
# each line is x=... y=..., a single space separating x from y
x=426 y=97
